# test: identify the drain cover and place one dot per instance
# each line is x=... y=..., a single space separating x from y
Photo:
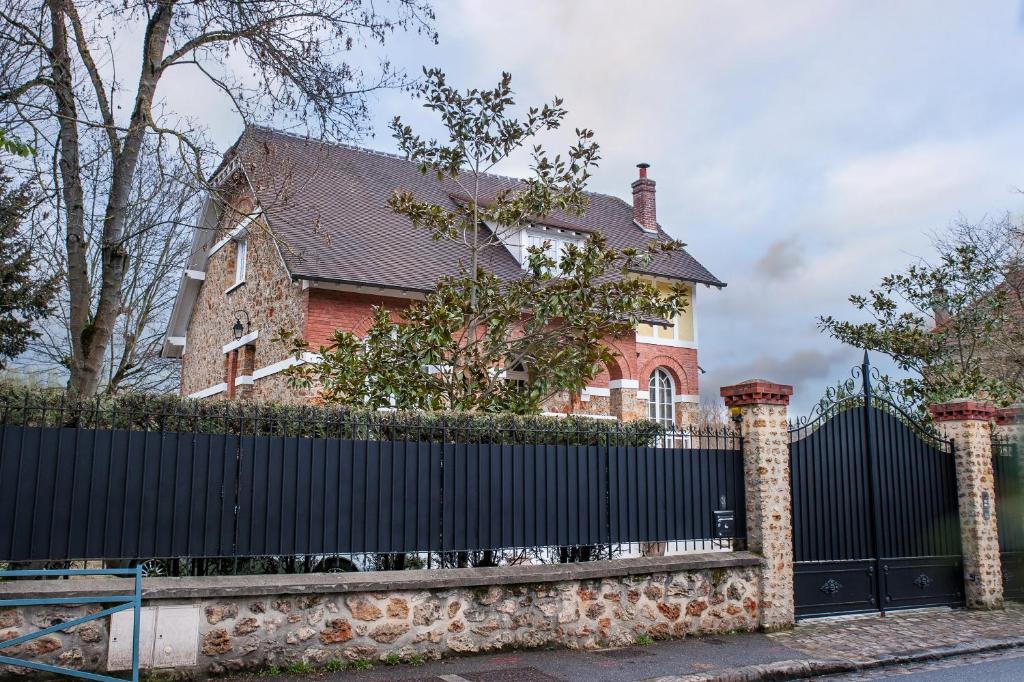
x=624 y=653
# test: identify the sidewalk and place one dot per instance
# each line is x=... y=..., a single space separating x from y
x=818 y=648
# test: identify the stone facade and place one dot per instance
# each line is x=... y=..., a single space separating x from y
x=968 y=424
x=762 y=407
x=269 y=297
x=251 y=627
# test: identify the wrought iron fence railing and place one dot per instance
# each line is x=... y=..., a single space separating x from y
x=200 y=488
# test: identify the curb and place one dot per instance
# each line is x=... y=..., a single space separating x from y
x=798 y=669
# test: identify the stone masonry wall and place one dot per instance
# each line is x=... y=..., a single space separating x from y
x=763 y=409
x=766 y=470
x=967 y=424
x=270 y=298
x=242 y=632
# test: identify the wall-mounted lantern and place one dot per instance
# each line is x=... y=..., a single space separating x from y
x=238 y=329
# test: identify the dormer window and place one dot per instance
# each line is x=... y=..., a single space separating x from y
x=554 y=242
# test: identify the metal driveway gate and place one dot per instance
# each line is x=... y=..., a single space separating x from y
x=875 y=520
x=1009 y=483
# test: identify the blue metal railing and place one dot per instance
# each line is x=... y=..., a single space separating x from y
x=122 y=603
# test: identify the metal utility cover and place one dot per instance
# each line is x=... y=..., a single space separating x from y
x=177 y=636
x=119 y=652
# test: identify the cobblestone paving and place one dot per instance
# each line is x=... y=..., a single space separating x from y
x=933 y=666
x=865 y=638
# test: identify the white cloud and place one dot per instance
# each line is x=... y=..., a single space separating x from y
x=803 y=149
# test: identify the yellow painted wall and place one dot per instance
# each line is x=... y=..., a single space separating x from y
x=684 y=321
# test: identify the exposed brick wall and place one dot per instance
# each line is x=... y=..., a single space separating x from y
x=644 y=209
x=637 y=361
x=332 y=310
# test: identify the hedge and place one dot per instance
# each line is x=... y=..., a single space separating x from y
x=20 y=406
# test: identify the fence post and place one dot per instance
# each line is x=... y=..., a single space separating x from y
x=968 y=424
x=762 y=408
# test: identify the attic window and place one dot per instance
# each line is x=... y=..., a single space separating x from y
x=553 y=242
x=241 y=251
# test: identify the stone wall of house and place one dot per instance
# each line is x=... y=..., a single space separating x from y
x=563 y=403
x=247 y=626
x=270 y=298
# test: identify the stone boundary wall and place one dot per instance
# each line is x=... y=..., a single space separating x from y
x=253 y=622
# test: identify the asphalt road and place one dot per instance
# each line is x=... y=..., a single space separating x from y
x=1006 y=666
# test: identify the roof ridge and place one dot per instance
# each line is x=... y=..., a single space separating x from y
x=332 y=143
x=393 y=155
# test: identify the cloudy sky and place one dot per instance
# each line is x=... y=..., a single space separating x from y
x=802 y=149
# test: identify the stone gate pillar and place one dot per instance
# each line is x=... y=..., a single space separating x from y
x=968 y=424
x=762 y=407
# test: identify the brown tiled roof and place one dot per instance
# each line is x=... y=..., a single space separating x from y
x=327 y=203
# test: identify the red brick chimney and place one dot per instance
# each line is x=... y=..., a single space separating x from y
x=644 y=211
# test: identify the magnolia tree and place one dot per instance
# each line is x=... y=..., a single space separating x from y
x=480 y=341
x=955 y=325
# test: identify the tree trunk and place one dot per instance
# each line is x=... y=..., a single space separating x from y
x=69 y=164
x=91 y=334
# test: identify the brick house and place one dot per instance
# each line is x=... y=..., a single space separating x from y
x=1000 y=351
x=301 y=237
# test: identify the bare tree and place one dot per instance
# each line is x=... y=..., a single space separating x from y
x=160 y=215
x=60 y=91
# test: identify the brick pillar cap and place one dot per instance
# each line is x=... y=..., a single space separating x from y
x=756 y=392
x=965 y=409
x=1008 y=416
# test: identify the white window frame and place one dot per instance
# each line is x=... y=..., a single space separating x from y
x=661 y=403
x=241 y=257
x=557 y=241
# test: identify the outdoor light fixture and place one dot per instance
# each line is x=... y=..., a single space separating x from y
x=238 y=329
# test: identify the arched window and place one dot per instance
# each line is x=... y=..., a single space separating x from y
x=659 y=404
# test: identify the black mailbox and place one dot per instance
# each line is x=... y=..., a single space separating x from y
x=725 y=524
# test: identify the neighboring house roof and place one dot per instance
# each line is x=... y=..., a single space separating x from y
x=327 y=206
x=343 y=191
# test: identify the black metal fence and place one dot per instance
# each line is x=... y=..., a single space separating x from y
x=267 y=490
x=1008 y=472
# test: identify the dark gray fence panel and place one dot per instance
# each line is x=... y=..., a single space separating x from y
x=315 y=496
x=74 y=493
x=663 y=494
x=1008 y=471
x=88 y=493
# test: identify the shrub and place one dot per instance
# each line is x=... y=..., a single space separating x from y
x=25 y=406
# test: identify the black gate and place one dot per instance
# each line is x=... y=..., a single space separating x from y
x=1009 y=484
x=875 y=520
